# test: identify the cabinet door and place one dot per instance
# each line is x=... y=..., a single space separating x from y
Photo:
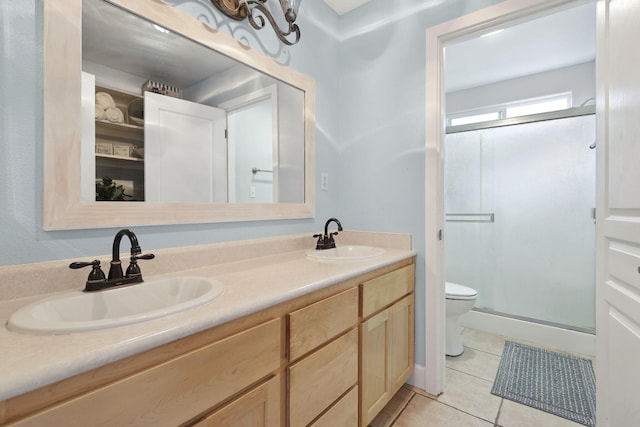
x=387 y=356
x=374 y=383
x=401 y=342
x=257 y=408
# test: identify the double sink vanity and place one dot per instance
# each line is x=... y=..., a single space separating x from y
x=277 y=334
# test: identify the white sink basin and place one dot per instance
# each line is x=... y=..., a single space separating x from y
x=344 y=253
x=78 y=311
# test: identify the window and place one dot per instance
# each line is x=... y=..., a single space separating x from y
x=476 y=118
x=513 y=109
x=539 y=106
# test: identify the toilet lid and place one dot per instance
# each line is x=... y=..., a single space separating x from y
x=454 y=290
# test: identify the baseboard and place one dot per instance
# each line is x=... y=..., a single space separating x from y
x=419 y=377
x=544 y=335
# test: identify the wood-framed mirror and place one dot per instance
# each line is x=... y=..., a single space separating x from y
x=75 y=146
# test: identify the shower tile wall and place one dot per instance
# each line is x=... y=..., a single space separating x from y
x=538 y=259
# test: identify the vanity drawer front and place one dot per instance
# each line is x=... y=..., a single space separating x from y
x=318 y=323
x=258 y=408
x=321 y=378
x=384 y=290
x=343 y=413
x=178 y=390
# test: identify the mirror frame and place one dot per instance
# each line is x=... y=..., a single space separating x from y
x=62 y=67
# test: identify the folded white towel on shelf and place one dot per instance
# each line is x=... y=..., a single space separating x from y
x=101 y=114
x=115 y=115
x=105 y=100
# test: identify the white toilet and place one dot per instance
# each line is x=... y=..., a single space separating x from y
x=459 y=300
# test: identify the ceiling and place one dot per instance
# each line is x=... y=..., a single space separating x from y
x=560 y=39
x=343 y=6
x=556 y=40
x=113 y=36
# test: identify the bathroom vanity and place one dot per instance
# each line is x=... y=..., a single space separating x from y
x=293 y=341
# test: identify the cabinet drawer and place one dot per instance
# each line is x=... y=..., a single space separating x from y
x=258 y=408
x=384 y=290
x=177 y=390
x=321 y=378
x=343 y=413
x=318 y=323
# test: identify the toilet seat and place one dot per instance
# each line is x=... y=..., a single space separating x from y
x=456 y=291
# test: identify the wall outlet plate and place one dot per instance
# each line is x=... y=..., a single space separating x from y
x=324 y=181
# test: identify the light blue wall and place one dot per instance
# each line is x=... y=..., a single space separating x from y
x=382 y=115
x=370 y=84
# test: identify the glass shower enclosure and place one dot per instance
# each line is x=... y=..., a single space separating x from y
x=520 y=219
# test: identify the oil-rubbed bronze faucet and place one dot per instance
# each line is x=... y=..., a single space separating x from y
x=97 y=281
x=326 y=241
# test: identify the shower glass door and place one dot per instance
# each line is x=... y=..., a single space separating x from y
x=536 y=260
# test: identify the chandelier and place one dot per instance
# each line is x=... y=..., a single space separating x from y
x=256 y=12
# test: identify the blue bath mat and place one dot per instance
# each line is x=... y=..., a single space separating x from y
x=557 y=383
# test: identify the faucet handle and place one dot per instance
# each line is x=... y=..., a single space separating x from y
x=96 y=275
x=320 y=243
x=133 y=269
x=145 y=256
x=331 y=243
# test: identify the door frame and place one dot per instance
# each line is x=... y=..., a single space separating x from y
x=437 y=37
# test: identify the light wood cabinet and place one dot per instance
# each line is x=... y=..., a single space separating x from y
x=386 y=339
x=330 y=358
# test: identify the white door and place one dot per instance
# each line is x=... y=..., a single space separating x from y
x=253 y=144
x=618 y=222
x=185 y=151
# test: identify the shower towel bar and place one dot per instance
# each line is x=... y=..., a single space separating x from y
x=256 y=170
x=470 y=217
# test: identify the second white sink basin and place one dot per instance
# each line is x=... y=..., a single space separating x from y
x=78 y=311
x=342 y=253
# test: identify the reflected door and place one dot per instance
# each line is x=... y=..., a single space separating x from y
x=185 y=151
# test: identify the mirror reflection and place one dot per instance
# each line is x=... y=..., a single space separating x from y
x=166 y=119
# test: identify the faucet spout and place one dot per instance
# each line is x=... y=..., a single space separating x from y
x=115 y=271
x=326 y=226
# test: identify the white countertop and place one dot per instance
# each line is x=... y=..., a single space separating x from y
x=33 y=361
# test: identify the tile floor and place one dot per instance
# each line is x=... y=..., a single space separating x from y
x=467 y=398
